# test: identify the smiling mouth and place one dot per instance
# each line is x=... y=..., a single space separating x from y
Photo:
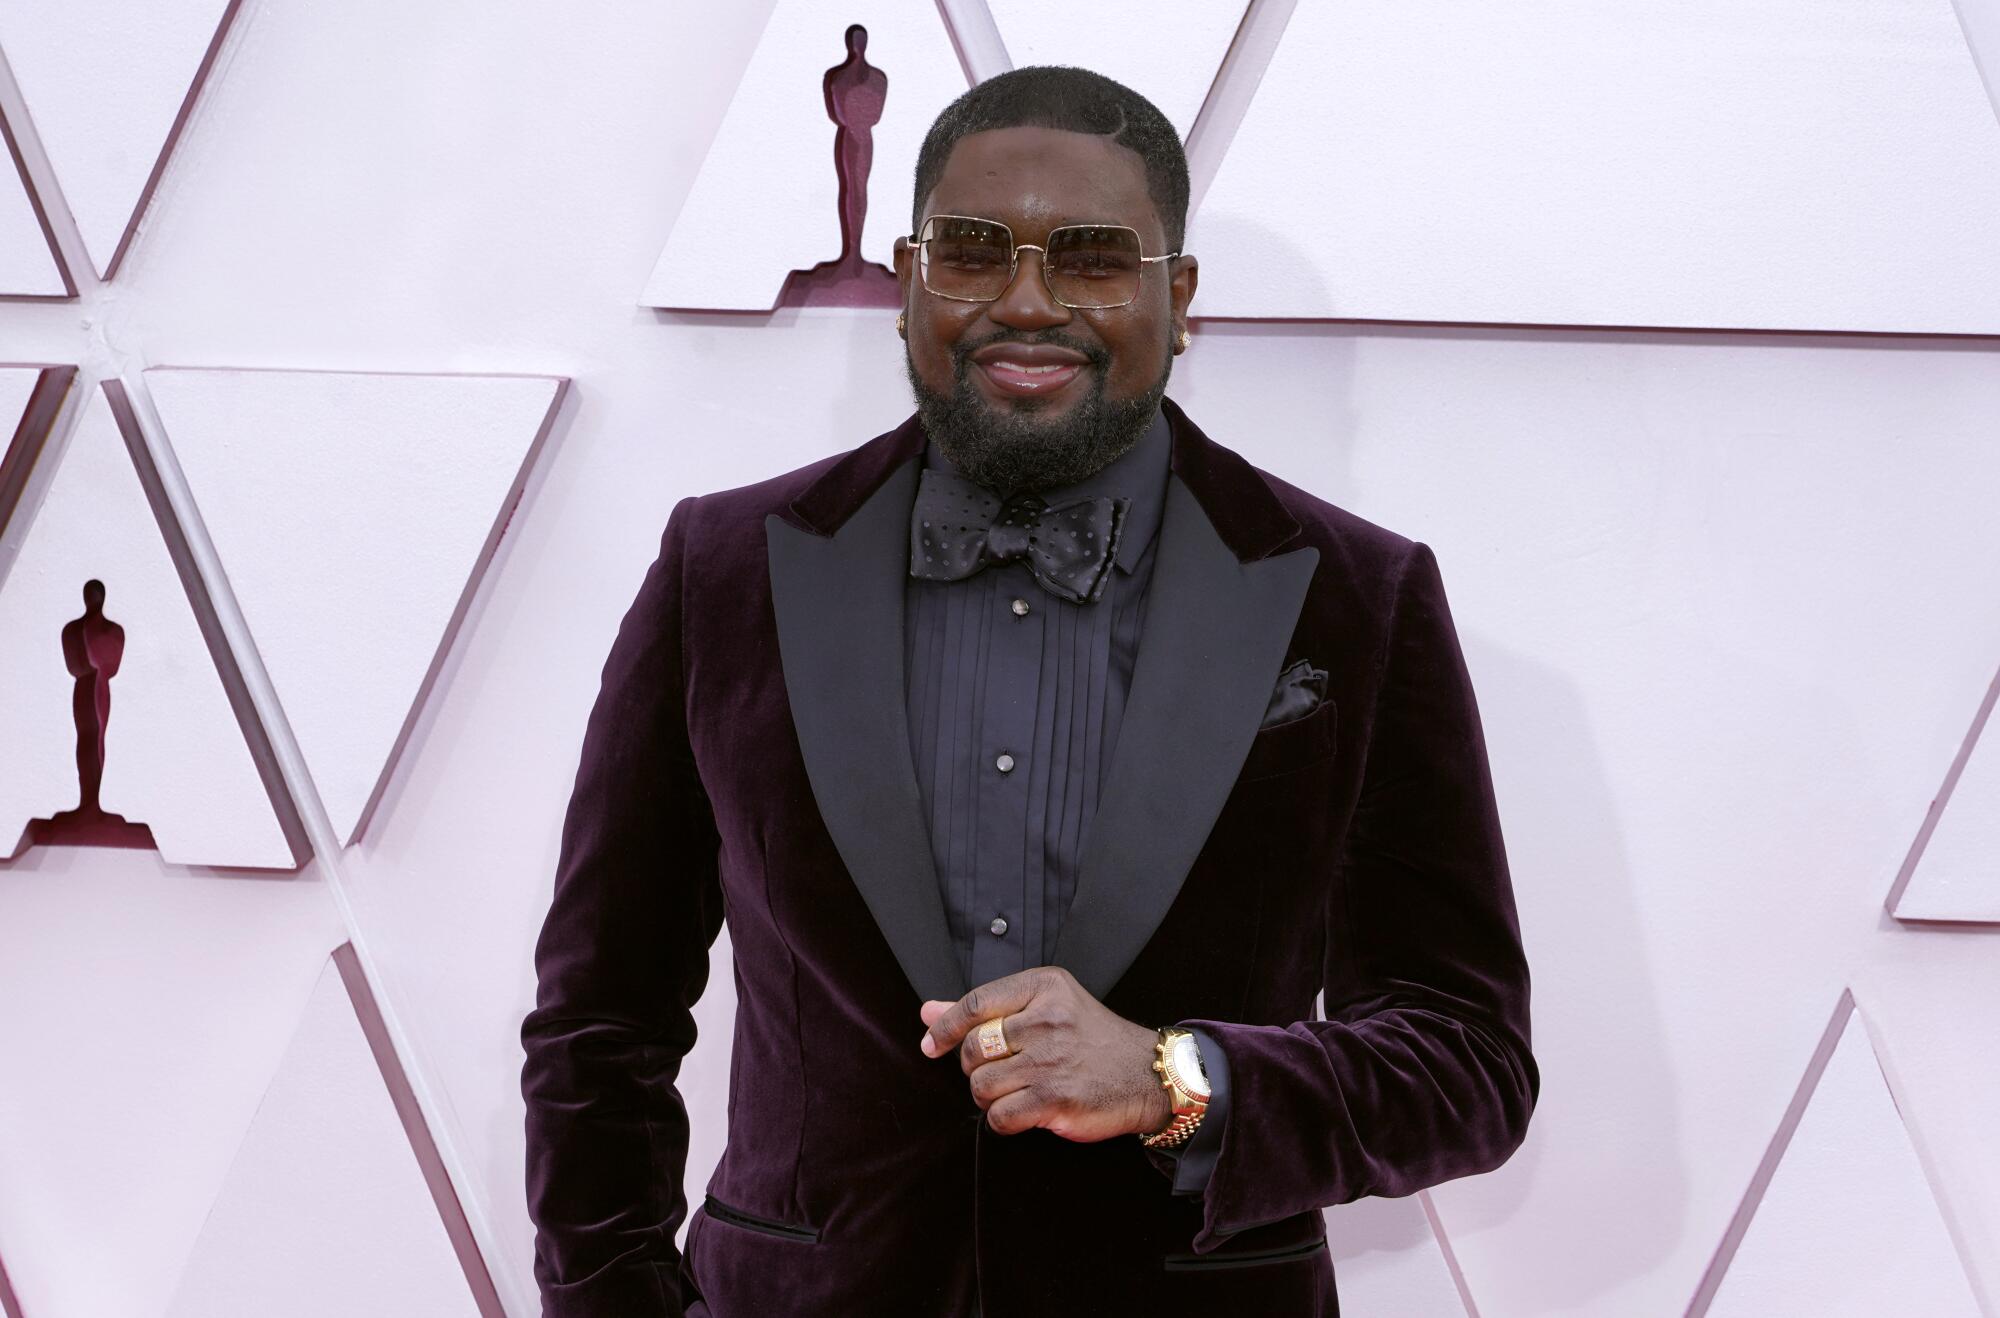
x=1028 y=370
x=1028 y=381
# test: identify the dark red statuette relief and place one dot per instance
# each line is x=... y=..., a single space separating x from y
x=856 y=91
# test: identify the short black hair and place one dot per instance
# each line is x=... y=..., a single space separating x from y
x=1059 y=96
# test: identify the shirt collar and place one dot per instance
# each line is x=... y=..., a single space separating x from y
x=1138 y=474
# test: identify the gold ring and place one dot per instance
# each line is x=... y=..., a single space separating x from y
x=993 y=1040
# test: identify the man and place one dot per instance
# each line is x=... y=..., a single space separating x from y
x=1046 y=760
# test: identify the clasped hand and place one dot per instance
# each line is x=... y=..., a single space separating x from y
x=1077 y=1068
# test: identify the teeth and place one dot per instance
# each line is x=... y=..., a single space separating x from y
x=1031 y=370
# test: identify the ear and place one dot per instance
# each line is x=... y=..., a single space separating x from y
x=1180 y=290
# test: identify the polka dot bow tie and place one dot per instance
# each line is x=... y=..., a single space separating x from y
x=958 y=528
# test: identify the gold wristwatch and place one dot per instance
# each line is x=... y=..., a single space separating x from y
x=1186 y=1085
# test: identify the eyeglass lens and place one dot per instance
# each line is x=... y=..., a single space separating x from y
x=1086 y=265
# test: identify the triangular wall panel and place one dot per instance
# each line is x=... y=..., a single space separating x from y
x=108 y=84
x=1389 y=1259
x=351 y=514
x=143 y=1009
x=168 y=705
x=1953 y=872
x=29 y=265
x=325 y=1213
x=1716 y=163
x=17 y=385
x=1847 y=1223
x=21 y=435
x=766 y=199
x=30 y=398
x=1167 y=51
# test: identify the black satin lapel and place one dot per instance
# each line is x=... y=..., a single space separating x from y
x=839 y=604
x=1214 y=639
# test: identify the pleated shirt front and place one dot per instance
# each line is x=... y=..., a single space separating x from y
x=1015 y=697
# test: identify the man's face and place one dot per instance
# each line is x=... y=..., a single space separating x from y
x=978 y=368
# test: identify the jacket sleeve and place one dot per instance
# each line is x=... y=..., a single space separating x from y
x=622 y=957
x=1421 y=1071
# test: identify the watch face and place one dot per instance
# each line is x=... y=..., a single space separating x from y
x=1187 y=1065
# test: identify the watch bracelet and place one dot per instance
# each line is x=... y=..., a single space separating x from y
x=1178 y=1131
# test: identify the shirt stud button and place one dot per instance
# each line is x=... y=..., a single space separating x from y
x=1020 y=607
x=999 y=925
x=1004 y=763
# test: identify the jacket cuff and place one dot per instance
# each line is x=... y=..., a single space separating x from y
x=1197 y=1156
x=630 y=1285
x=1190 y=1165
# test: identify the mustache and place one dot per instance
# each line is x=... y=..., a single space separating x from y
x=1094 y=353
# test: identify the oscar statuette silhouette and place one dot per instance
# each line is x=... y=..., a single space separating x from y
x=856 y=92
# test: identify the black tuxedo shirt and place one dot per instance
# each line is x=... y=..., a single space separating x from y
x=1015 y=698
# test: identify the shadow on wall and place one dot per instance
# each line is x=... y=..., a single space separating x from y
x=1247 y=409
x=1289 y=260
x=1602 y=1064
x=1607 y=1120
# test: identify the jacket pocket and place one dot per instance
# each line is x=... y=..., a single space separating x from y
x=1244 y=1258
x=1290 y=745
x=722 y=1212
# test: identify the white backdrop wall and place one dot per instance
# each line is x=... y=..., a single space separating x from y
x=1727 y=598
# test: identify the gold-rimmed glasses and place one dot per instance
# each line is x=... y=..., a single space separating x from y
x=1090 y=267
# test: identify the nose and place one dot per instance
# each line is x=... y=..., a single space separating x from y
x=1026 y=303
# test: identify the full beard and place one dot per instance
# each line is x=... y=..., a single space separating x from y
x=1009 y=451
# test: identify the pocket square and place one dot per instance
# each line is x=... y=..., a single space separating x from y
x=1299 y=691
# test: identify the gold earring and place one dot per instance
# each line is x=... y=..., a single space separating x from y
x=1184 y=341
x=901 y=322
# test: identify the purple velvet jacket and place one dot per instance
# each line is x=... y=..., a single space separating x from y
x=747 y=759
